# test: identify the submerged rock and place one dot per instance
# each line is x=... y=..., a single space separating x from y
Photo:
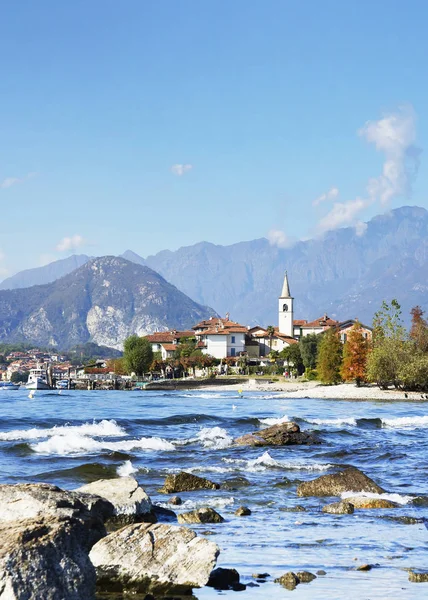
x=200 y=515
x=157 y=558
x=186 y=482
x=175 y=501
x=235 y=483
x=297 y=508
x=339 y=508
x=45 y=558
x=284 y=434
x=305 y=576
x=349 y=480
x=130 y=501
x=366 y=567
x=367 y=502
x=418 y=576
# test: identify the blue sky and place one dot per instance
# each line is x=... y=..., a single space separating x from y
x=157 y=124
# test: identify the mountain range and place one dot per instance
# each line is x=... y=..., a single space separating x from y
x=103 y=301
x=344 y=274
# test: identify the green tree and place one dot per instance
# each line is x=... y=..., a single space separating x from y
x=389 y=346
x=19 y=377
x=329 y=357
x=355 y=351
x=294 y=358
x=309 y=350
x=138 y=354
x=271 y=332
x=419 y=329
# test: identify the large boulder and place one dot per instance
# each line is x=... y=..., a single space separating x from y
x=45 y=558
x=186 y=482
x=349 y=480
x=156 y=558
x=284 y=434
x=200 y=515
x=130 y=502
x=32 y=500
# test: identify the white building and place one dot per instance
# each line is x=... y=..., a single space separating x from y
x=221 y=337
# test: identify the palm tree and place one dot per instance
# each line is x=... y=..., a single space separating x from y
x=271 y=332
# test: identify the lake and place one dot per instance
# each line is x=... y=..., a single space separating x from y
x=75 y=437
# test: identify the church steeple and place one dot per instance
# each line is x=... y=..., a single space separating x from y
x=285 y=310
x=285 y=288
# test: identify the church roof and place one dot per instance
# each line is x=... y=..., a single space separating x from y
x=285 y=288
x=323 y=321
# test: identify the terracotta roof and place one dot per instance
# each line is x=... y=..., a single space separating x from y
x=168 y=336
x=224 y=330
x=323 y=321
x=300 y=322
x=257 y=328
x=169 y=347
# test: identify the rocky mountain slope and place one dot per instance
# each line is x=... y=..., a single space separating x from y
x=104 y=301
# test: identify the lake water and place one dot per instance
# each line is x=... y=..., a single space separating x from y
x=75 y=437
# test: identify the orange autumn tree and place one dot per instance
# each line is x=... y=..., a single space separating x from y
x=355 y=354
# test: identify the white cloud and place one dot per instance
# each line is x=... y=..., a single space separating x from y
x=181 y=169
x=278 y=238
x=332 y=194
x=71 y=243
x=11 y=181
x=342 y=214
x=394 y=135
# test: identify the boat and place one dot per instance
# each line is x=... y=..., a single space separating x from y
x=9 y=385
x=63 y=384
x=37 y=380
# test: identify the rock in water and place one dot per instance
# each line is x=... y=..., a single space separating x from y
x=418 y=576
x=339 y=508
x=367 y=502
x=284 y=434
x=157 y=558
x=45 y=558
x=224 y=579
x=349 y=480
x=31 y=500
x=288 y=580
x=200 y=515
x=186 y=482
x=130 y=501
x=243 y=511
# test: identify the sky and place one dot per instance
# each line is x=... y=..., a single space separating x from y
x=156 y=124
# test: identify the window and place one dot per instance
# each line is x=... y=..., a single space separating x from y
x=233 y=339
x=232 y=352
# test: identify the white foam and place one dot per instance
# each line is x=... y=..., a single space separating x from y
x=333 y=422
x=193 y=504
x=104 y=428
x=126 y=469
x=81 y=444
x=406 y=422
x=398 y=498
x=214 y=437
x=275 y=421
x=266 y=461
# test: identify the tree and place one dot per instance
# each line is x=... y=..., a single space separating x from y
x=19 y=377
x=138 y=354
x=293 y=357
x=355 y=352
x=117 y=366
x=388 y=351
x=271 y=332
x=419 y=329
x=329 y=357
x=309 y=350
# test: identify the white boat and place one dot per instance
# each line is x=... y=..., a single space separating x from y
x=9 y=385
x=37 y=380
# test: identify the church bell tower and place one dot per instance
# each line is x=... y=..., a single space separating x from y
x=285 y=309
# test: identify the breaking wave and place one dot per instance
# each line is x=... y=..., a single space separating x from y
x=406 y=422
x=398 y=498
x=126 y=469
x=104 y=428
x=266 y=461
x=81 y=444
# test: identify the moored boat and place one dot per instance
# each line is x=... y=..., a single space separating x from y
x=9 y=385
x=37 y=380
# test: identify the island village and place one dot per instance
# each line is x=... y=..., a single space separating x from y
x=229 y=344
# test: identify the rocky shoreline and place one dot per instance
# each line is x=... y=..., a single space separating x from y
x=107 y=538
